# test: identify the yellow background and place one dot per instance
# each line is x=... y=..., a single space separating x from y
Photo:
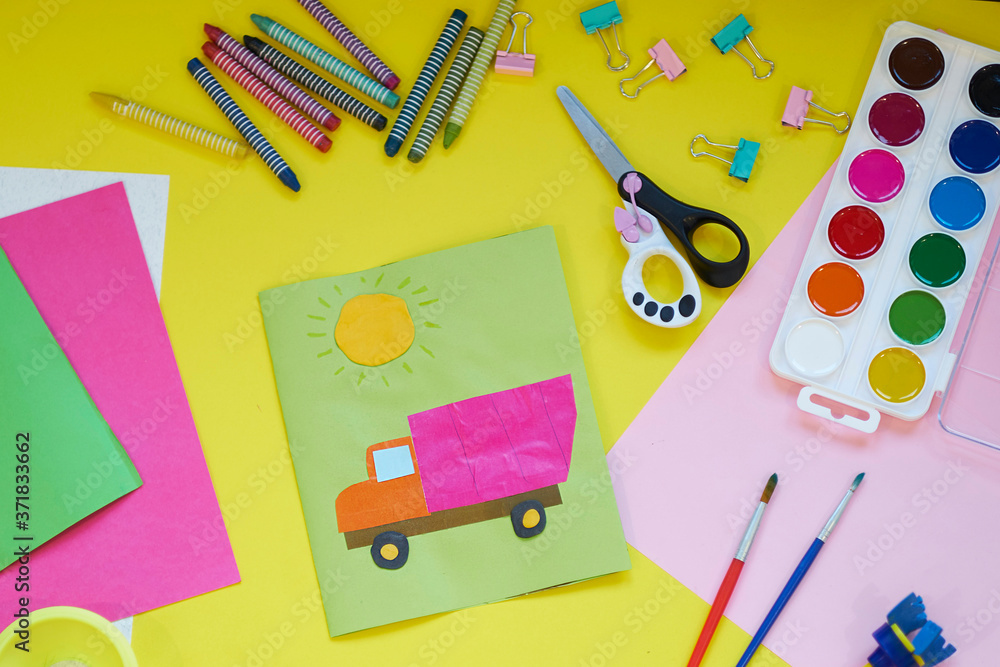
x=233 y=230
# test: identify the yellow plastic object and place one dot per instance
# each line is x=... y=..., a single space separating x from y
x=66 y=635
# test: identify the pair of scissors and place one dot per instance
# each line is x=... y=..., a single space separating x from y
x=646 y=205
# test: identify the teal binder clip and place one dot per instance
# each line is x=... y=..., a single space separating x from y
x=602 y=17
x=738 y=30
x=742 y=163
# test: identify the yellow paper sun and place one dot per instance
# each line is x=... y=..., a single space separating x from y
x=373 y=330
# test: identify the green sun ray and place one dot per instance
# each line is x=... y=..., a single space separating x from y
x=385 y=380
x=419 y=290
x=361 y=378
x=339 y=371
x=406 y=367
x=406 y=281
x=315 y=335
x=431 y=354
x=379 y=279
x=324 y=353
x=431 y=325
x=322 y=302
x=316 y=317
x=427 y=303
x=337 y=289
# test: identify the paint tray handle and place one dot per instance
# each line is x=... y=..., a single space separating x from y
x=838 y=409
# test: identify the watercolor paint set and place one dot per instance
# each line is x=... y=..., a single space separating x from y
x=893 y=259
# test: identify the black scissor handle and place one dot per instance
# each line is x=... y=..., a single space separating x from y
x=683 y=221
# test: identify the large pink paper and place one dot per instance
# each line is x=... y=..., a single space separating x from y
x=81 y=261
x=926 y=518
x=505 y=443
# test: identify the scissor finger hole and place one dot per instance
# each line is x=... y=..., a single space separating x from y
x=663 y=279
x=716 y=242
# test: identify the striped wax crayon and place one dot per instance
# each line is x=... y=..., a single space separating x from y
x=272 y=78
x=425 y=81
x=487 y=51
x=170 y=125
x=331 y=64
x=350 y=42
x=449 y=88
x=268 y=97
x=242 y=124
x=315 y=83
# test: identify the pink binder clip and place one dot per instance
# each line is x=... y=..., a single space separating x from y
x=799 y=101
x=665 y=58
x=518 y=64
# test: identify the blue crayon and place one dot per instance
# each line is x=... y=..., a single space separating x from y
x=243 y=124
x=422 y=86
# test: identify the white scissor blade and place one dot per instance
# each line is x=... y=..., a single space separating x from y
x=605 y=150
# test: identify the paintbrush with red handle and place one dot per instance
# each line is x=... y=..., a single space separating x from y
x=732 y=576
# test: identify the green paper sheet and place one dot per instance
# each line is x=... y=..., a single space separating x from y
x=487 y=317
x=75 y=464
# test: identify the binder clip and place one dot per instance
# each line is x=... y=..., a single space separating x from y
x=742 y=162
x=798 y=105
x=897 y=644
x=738 y=30
x=665 y=58
x=518 y=64
x=599 y=18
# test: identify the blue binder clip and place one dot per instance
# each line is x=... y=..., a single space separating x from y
x=737 y=30
x=742 y=162
x=897 y=649
x=599 y=18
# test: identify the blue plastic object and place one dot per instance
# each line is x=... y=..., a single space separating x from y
x=895 y=649
x=746 y=155
x=600 y=17
x=732 y=34
x=909 y=614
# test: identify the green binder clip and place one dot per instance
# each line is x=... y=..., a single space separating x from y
x=602 y=17
x=738 y=30
x=743 y=160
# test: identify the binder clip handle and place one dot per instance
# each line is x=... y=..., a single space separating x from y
x=524 y=32
x=743 y=159
x=665 y=58
x=600 y=18
x=799 y=101
x=518 y=64
x=739 y=29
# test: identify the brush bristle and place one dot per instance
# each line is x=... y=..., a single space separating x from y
x=857 y=481
x=772 y=482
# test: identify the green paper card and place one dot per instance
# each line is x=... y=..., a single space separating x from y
x=60 y=461
x=424 y=402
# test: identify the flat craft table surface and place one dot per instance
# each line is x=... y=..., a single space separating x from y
x=234 y=230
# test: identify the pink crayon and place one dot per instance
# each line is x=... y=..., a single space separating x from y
x=351 y=42
x=272 y=78
x=271 y=100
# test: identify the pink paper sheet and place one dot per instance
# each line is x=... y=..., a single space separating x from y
x=81 y=261
x=506 y=443
x=925 y=519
